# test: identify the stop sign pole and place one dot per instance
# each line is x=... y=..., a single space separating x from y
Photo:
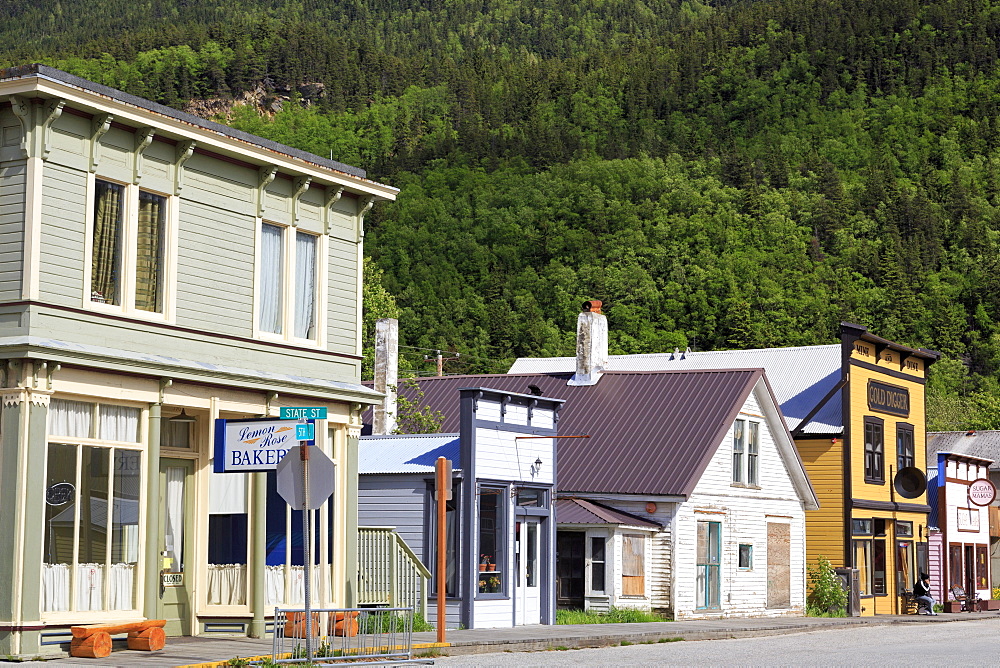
x=306 y=545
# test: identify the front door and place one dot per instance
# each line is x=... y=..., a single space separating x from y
x=570 y=556
x=527 y=590
x=176 y=563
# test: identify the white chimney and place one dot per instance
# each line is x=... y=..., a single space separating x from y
x=591 y=345
x=386 y=374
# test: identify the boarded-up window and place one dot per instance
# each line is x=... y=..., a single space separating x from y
x=779 y=565
x=633 y=565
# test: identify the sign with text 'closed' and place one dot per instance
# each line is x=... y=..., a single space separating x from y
x=243 y=446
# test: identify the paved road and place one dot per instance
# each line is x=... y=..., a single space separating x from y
x=972 y=643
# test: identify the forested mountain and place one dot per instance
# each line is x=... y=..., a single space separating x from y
x=720 y=174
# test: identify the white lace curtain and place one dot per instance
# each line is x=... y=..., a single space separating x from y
x=271 y=270
x=274 y=580
x=227 y=584
x=89 y=587
x=305 y=285
x=76 y=418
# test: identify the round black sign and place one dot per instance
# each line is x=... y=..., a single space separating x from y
x=59 y=493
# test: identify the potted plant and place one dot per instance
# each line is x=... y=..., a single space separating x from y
x=992 y=603
x=482 y=586
x=953 y=606
x=494 y=584
x=484 y=562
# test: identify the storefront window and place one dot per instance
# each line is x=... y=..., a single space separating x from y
x=227 y=538
x=492 y=546
x=878 y=567
x=863 y=562
x=91 y=544
x=451 y=547
x=284 y=573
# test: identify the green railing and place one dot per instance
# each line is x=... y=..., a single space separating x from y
x=389 y=573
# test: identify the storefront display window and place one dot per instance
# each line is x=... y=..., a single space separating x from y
x=92 y=509
x=492 y=546
x=227 y=538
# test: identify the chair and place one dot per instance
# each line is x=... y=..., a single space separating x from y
x=970 y=602
x=908 y=603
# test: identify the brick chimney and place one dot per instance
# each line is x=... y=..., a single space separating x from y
x=386 y=374
x=591 y=345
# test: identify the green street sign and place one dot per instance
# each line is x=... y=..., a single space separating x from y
x=303 y=413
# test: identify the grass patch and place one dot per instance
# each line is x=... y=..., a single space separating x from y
x=670 y=640
x=559 y=648
x=812 y=611
x=626 y=643
x=612 y=616
x=430 y=654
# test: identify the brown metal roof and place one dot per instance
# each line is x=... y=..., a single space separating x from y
x=650 y=432
x=582 y=511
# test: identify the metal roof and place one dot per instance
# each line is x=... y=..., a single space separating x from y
x=582 y=511
x=407 y=453
x=800 y=376
x=981 y=444
x=649 y=433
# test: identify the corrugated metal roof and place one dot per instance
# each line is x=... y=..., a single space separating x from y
x=650 y=433
x=982 y=444
x=800 y=376
x=581 y=511
x=407 y=453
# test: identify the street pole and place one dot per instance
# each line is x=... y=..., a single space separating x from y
x=306 y=555
x=442 y=486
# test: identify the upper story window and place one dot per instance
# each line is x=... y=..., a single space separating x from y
x=904 y=445
x=746 y=451
x=739 y=445
x=288 y=283
x=874 y=451
x=128 y=249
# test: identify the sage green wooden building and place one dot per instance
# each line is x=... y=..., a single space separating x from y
x=158 y=271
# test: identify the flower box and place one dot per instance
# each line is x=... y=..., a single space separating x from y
x=952 y=606
x=989 y=605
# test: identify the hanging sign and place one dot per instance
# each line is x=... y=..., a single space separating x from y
x=243 y=446
x=982 y=492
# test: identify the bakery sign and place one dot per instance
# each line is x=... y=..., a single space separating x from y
x=886 y=398
x=982 y=492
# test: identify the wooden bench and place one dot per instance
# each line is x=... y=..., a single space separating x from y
x=970 y=602
x=94 y=640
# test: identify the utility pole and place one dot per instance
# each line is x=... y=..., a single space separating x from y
x=441 y=360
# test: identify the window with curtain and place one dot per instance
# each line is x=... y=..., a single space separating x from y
x=123 y=213
x=92 y=508
x=227 y=538
x=492 y=541
x=106 y=257
x=863 y=562
x=271 y=273
x=288 y=282
x=284 y=572
x=305 y=285
x=149 y=252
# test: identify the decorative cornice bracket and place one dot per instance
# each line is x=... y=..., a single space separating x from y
x=364 y=206
x=99 y=126
x=333 y=196
x=301 y=185
x=265 y=175
x=143 y=138
x=185 y=150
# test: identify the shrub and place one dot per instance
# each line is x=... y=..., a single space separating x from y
x=827 y=598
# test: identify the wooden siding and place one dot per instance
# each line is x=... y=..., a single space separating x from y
x=744 y=514
x=342 y=297
x=214 y=276
x=64 y=233
x=398 y=501
x=500 y=457
x=824 y=461
x=12 y=186
x=859 y=410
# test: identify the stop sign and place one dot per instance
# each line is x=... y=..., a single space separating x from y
x=291 y=484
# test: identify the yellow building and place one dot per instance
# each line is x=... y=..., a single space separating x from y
x=870 y=475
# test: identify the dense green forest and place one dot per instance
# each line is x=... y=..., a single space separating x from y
x=721 y=174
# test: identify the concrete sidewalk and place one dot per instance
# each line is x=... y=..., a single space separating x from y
x=211 y=652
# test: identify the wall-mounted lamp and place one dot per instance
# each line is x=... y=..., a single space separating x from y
x=182 y=418
x=536 y=468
